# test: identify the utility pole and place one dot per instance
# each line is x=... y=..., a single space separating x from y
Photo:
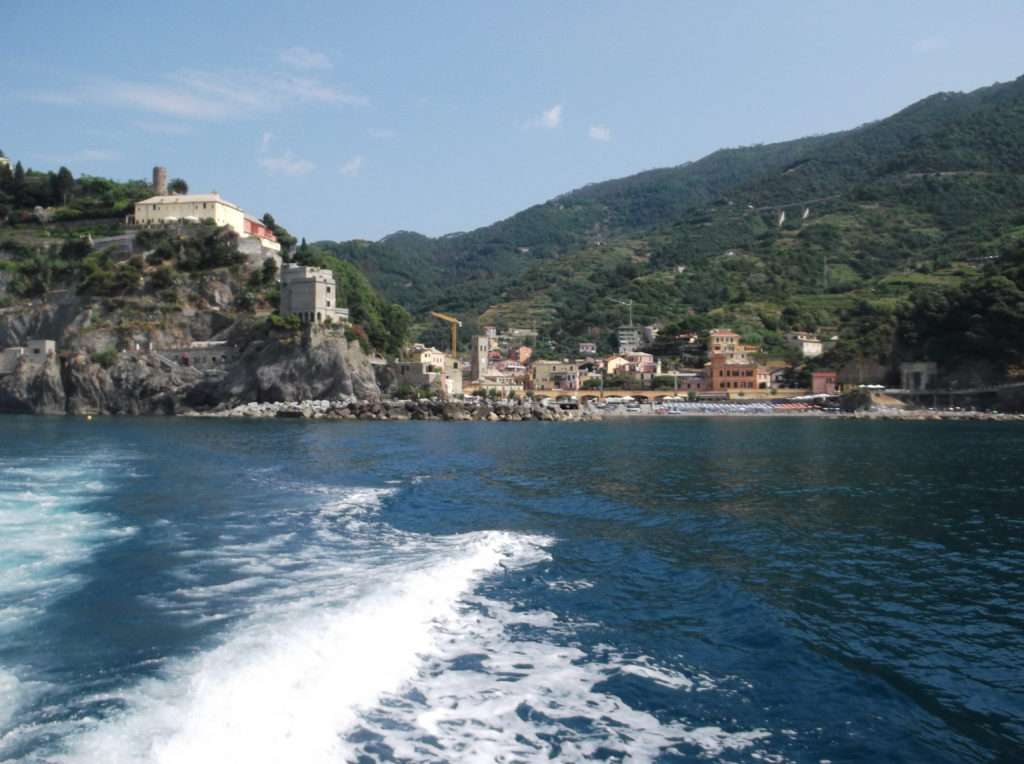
x=824 y=273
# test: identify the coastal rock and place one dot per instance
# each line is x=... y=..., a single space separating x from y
x=33 y=388
x=137 y=383
x=319 y=364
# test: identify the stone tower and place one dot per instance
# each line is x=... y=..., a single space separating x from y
x=160 y=181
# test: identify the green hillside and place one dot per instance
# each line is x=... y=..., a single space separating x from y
x=917 y=202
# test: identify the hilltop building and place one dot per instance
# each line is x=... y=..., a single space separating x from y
x=310 y=293
x=194 y=208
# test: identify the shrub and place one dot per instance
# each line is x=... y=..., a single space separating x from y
x=105 y=358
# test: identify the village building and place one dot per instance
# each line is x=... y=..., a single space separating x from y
x=809 y=345
x=502 y=385
x=521 y=354
x=628 y=339
x=725 y=342
x=730 y=376
x=554 y=375
x=311 y=294
x=428 y=368
x=823 y=383
x=196 y=208
x=588 y=348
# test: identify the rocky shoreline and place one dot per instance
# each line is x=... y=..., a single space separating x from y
x=393 y=409
x=470 y=410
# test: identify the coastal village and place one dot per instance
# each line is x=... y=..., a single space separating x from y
x=690 y=370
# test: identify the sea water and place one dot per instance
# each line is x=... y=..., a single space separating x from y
x=711 y=589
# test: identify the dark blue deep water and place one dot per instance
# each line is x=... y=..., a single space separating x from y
x=702 y=589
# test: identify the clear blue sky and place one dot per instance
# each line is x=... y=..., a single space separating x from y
x=356 y=119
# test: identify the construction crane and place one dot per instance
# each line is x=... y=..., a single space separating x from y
x=455 y=324
x=628 y=304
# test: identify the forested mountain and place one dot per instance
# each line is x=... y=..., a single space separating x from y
x=922 y=201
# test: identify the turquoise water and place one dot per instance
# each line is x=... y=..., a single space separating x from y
x=713 y=589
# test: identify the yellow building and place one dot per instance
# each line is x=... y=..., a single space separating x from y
x=195 y=208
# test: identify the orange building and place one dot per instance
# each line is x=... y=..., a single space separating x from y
x=823 y=383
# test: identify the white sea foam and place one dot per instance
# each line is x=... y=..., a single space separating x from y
x=360 y=635
x=10 y=697
x=527 y=699
x=46 y=533
x=283 y=689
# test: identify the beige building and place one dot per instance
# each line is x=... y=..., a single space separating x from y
x=808 y=344
x=428 y=356
x=195 y=208
x=554 y=375
x=311 y=294
x=504 y=385
x=438 y=373
x=726 y=343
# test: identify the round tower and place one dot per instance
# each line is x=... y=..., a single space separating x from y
x=160 y=181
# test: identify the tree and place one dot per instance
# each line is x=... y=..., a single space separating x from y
x=285 y=239
x=178 y=186
x=63 y=185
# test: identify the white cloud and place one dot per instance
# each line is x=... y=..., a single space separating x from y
x=382 y=133
x=287 y=165
x=196 y=94
x=304 y=58
x=549 y=118
x=351 y=168
x=600 y=133
x=929 y=44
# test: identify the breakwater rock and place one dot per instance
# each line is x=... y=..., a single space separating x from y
x=467 y=410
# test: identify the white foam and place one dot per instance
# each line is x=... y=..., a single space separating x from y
x=284 y=689
x=359 y=634
x=528 y=700
x=46 y=533
x=10 y=697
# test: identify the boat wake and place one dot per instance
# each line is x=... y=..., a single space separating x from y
x=348 y=639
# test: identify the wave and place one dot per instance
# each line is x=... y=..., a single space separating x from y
x=46 y=533
x=282 y=689
x=346 y=638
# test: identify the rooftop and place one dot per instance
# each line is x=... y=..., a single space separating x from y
x=188 y=199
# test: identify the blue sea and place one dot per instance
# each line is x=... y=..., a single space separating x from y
x=770 y=590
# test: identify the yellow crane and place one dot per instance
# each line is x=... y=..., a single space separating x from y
x=455 y=324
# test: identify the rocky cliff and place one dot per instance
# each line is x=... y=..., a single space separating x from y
x=315 y=363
